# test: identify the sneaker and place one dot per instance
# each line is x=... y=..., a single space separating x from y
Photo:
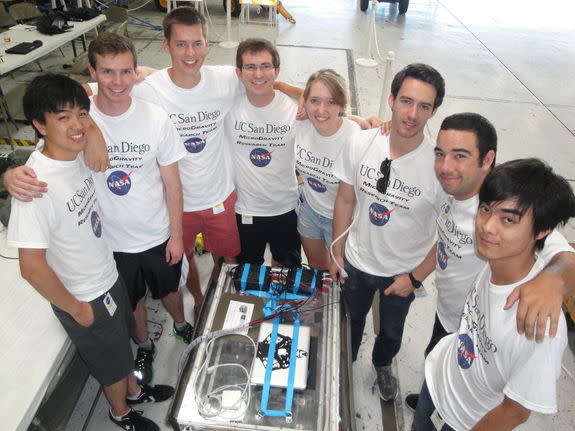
x=143 y=371
x=185 y=334
x=153 y=394
x=387 y=383
x=411 y=401
x=134 y=421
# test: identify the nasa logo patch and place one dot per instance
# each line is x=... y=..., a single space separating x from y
x=379 y=215
x=316 y=185
x=195 y=145
x=261 y=157
x=442 y=255
x=465 y=351
x=96 y=224
x=119 y=182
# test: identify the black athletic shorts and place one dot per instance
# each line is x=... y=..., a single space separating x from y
x=148 y=269
x=279 y=231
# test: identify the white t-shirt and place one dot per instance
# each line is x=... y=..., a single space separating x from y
x=198 y=114
x=131 y=192
x=314 y=157
x=394 y=231
x=457 y=262
x=261 y=149
x=66 y=222
x=469 y=372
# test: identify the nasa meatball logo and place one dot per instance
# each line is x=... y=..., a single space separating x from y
x=316 y=185
x=96 y=224
x=195 y=145
x=442 y=255
x=446 y=208
x=261 y=157
x=378 y=214
x=119 y=182
x=465 y=352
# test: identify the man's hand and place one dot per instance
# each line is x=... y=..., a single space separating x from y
x=22 y=184
x=401 y=286
x=385 y=128
x=539 y=299
x=96 y=152
x=301 y=112
x=334 y=270
x=85 y=315
x=372 y=123
x=174 y=250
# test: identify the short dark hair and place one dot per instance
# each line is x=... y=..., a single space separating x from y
x=253 y=46
x=184 y=15
x=483 y=129
x=110 y=43
x=421 y=72
x=51 y=93
x=535 y=186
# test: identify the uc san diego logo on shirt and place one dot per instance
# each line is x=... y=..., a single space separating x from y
x=260 y=157
x=442 y=255
x=96 y=224
x=195 y=145
x=379 y=215
x=316 y=185
x=119 y=182
x=465 y=352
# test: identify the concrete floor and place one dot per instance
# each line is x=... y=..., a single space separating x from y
x=512 y=61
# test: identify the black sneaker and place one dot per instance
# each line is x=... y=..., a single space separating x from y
x=134 y=421
x=186 y=334
x=411 y=401
x=153 y=394
x=386 y=383
x=143 y=370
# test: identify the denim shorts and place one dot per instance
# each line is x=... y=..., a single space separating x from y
x=312 y=225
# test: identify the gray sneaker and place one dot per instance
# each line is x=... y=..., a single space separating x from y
x=387 y=383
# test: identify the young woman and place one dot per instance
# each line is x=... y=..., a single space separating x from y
x=318 y=141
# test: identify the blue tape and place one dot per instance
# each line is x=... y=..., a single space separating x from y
x=269 y=367
x=262 y=276
x=297 y=280
x=245 y=273
x=292 y=365
x=312 y=285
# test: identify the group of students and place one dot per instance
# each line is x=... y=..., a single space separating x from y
x=382 y=193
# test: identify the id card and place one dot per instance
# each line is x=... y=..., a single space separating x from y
x=110 y=304
x=219 y=208
x=247 y=219
x=436 y=420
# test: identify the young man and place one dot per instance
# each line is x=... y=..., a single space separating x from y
x=140 y=193
x=464 y=154
x=396 y=192
x=63 y=254
x=260 y=133
x=486 y=376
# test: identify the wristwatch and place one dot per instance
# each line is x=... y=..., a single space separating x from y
x=414 y=282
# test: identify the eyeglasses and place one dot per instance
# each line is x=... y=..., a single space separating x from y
x=266 y=67
x=383 y=181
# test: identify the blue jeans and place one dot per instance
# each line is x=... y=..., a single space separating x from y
x=423 y=412
x=359 y=290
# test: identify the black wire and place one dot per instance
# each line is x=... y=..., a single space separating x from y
x=8 y=257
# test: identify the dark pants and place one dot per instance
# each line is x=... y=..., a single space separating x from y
x=423 y=412
x=359 y=290
x=438 y=333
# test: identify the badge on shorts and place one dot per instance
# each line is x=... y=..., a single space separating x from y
x=247 y=219
x=219 y=208
x=436 y=420
x=110 y=304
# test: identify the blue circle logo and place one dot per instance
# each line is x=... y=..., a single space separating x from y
x=446 y=209
x=195 y=145
x=316 y=185
x=378 y=214
x=261 y=157
x=465 y=352
x=119 y=182
x=442 y=255
x=96 y=224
